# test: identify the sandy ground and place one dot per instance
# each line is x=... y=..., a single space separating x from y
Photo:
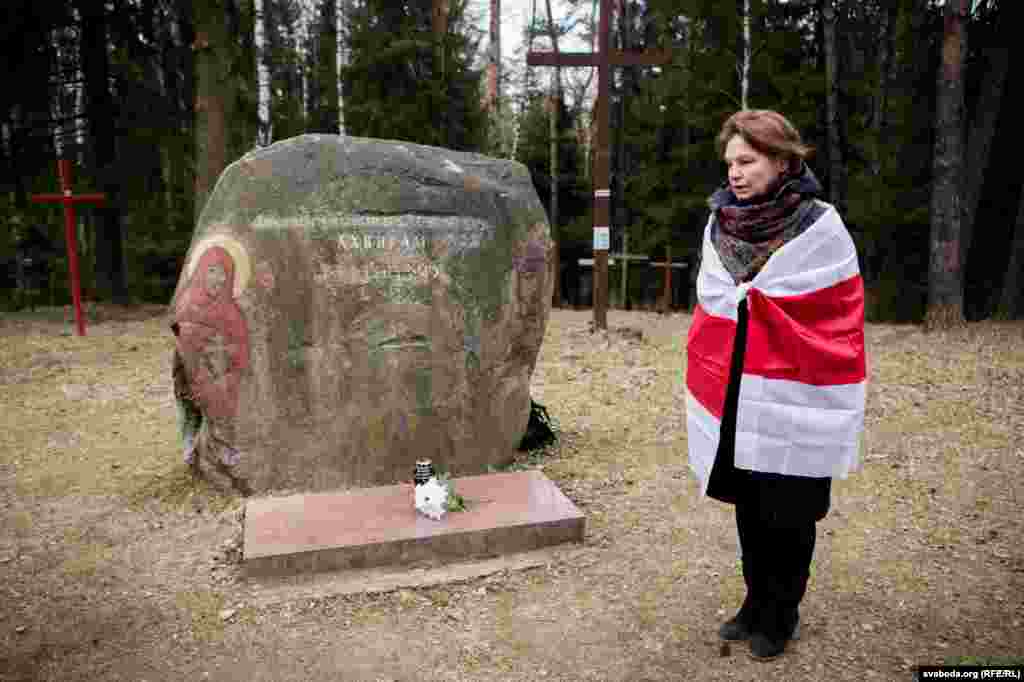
x=115 y=565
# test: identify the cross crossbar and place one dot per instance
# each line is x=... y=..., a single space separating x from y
x=649 y=57
x=99 y=199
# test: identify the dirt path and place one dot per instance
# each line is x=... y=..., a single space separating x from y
x=114 y=565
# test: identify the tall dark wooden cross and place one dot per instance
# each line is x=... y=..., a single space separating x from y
x=69 y=200
x=604 y=59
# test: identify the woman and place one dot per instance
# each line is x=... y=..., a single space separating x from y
x=776 y=366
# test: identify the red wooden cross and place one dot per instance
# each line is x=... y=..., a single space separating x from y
x=69 y=200
x=604 y=59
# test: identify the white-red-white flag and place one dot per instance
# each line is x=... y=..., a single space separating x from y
x=803 y=387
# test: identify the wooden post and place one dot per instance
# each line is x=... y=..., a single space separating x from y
x=666 y=300
x=624 y=284
x=69 y=200
x=604 y=59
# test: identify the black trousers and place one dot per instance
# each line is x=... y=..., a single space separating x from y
x=776 y=567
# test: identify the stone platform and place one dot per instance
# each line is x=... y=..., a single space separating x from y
x=364 y=528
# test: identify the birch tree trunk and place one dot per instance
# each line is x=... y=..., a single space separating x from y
x=745 y=53
x=945 y=277
x=264 y=131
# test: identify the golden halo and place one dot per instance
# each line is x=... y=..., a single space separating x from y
x=243 y=269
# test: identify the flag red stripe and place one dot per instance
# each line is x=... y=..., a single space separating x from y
x=815 y=338
x=709 y=353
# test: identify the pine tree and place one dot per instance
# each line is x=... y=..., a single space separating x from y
x=391 y=86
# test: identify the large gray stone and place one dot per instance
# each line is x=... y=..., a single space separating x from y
x=350 y=305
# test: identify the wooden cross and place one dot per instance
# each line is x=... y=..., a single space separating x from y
x=626 y=257
x=604 y=59
x=666 y=296
x=69 y=200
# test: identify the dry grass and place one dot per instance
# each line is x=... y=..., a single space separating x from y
x=116 y=565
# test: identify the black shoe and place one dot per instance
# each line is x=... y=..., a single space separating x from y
x=736 y=629
x=763 y=647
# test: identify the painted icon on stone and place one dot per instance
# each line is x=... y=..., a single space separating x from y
x=212 y=336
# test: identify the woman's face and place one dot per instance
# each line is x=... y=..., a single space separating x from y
x=751 y=173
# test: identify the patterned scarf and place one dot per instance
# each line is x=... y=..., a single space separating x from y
x=745 y=234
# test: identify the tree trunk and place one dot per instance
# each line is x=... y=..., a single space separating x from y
x=440 y=12
x=837 y=168
x=325 y=114
x=945 y=280
x=243 y=128
x=743 y=67
x=111 y=279
x=981 y=135
x=1011 y=303
x=185 y=110
x=622 y=216
x=215 y=101
x=554 y=132
x=264 y=130
x=494 y=59
x=995 y=198
x=987 y=121
x=880 y=115
x=666 y=294
x=285 y=70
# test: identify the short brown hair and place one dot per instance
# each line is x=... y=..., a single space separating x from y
x=769 y=132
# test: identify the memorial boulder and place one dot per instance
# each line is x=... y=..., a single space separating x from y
x=349 y=305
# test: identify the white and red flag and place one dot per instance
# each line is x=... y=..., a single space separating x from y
x=802 y=391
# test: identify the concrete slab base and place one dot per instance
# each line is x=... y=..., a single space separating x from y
x=268 y=591
x=365 y=528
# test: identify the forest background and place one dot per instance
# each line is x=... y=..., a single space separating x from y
x=909 y=104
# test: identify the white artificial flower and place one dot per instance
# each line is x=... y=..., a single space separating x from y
x=431 y=498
